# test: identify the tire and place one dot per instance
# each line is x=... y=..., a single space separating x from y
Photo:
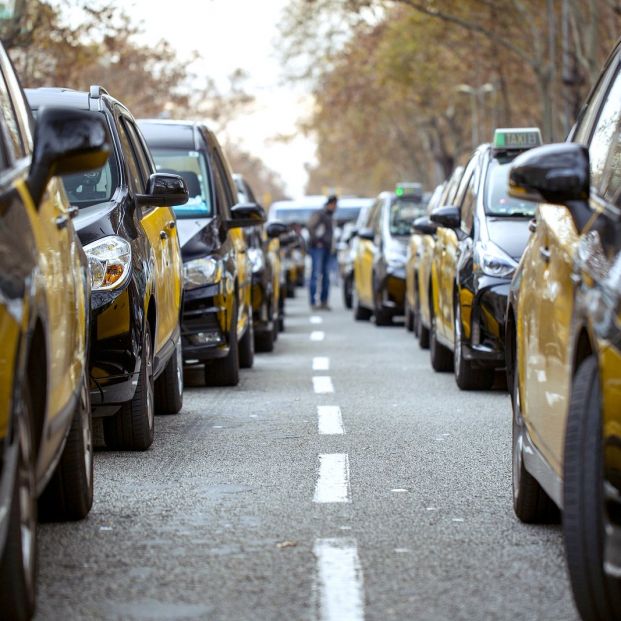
x=18 y=564
x=467 y=375
x=530 y=502
x=225 y=371
x=281 y=324
x=409 y=318
x=424 y=336
x=441 y=357
x=597 y=596
x=290 y=289
x=69 y=493
x=264 y=342
x=132 y=427
x=382 y=317
x=246 y=347
x=360 y=312
x=169 y=385
x=347 y=292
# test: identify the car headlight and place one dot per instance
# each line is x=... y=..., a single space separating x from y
x=109 y=262
x=493 y=261
x=257 y=260
x=202 y=272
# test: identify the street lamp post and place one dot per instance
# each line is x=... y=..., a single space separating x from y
x=476 y=93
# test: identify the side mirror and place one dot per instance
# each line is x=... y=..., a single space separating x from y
x=424 y=226
x=66 y=141
x=246 y=214
x=368 y=234
x=276 y=229
x=555 y=173
x=447 y=217
x=164 y=190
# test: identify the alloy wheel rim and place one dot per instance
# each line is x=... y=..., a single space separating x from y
x=26 y=505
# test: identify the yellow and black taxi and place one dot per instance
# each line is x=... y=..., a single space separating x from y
x=46 y=448
x=128 y=230
x=379 y=264
x=564 y=346
x=216 y=322
x=264 y=254
x=417 y=268
x=422 y=243
x=481 y=239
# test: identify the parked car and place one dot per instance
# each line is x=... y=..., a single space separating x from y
x=564 y=346
x=216 y=324
x=264 y=254
x=472 y=267
x=129 y=233
x=379 y=264
x=46 y=449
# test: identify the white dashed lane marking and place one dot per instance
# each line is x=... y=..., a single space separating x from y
x=321 y=363
x=339 y=580
x=317 y=335
x=322 y=384
x=330 y=420
x=316 y=320
x=333 y=479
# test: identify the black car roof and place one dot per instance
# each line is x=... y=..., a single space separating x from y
x=170 y=134
x=48 y=96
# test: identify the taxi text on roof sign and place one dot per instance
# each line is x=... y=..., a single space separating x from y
x=517 y=138
x=406 y=187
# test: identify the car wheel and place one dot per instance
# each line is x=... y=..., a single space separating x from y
x=441 y=357
x=347 y=292
x=290 y=289
x=530 y=502
x=246 y=347
x=264 y=341
x=597 y=595
x=225 y=371
x=132 y=427
x=69 y=493
x=18 y=564
x=169 y=385
x=467 y=376
x=382 y=316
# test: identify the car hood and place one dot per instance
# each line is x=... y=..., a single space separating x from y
x=197 y=237
x=510 y=234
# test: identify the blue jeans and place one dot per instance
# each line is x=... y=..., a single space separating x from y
x=321 y=265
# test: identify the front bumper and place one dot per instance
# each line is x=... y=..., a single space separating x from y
x=203 y=324
x=487 y=323
x=391 y=292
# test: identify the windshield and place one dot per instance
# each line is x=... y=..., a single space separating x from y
x=346 y=214
x=403 y=212
x=498 y=202
x=294 y=216
x=86 y=189
x=192 y=167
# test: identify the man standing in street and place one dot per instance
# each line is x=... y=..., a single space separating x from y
x=321 y=232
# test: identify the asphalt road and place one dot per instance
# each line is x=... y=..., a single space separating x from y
x=243 y=510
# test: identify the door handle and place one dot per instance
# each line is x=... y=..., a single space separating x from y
x=73 y=212
x=163 y=235
x=61 y=222
x=172 y=224
x=544 y=253
x=532 y=225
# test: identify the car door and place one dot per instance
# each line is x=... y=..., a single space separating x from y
x=153 y=221
x=364 y=259
x=173 y=264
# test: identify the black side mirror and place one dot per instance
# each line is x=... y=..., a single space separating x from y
x=447 y=217
x=164 y=190
x=246 y=214
x=276 y=229
x=554 y=173
x=66 y=141
x=368 y=234
x=424 y=226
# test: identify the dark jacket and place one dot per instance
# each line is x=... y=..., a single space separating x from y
x=321 y=229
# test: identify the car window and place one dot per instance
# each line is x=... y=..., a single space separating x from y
x=605 y=145
x=467 y=206
x=10 y=120
x=497 y=201
x=222 y=202
x=22 y=111
x=144 y=163
x=227 y=186
x=403 y=212
x=94 y=186
x=192 y=166
x=135 y=178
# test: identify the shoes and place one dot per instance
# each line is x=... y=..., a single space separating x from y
x=315 y=307
x=325 y=306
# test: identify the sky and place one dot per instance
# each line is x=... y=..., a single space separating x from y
x=231 y=34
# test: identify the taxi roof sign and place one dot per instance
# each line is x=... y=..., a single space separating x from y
x=409 y=188
x=516 y=138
